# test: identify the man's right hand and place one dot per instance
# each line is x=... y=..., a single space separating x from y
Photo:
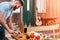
x=11 y=31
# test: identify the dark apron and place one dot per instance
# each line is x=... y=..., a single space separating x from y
x=2 y=33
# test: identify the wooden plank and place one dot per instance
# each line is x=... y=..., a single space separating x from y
x=43 y=28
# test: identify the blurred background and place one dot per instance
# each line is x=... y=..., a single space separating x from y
x=42 y=13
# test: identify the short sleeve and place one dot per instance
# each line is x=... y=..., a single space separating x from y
x=2 y=10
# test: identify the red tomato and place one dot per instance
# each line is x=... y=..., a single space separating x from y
x=32 y=35
x=37 y=37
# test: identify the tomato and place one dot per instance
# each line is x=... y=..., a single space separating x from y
x=37 y=37
x=32 y=35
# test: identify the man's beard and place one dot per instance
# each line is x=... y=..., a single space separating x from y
x=14 y=8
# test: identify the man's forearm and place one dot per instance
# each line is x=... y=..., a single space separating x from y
x=11 y=25
x=9 y=22
x=5 y=25
x=3 y=21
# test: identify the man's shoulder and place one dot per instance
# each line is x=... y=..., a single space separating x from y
x=4 y=3
x=5 y=6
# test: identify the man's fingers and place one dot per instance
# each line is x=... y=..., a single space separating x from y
x=16 y=32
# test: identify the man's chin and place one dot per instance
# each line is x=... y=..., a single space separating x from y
x=14 y=8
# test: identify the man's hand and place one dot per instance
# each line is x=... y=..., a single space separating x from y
x=18 y=34
x=11 y=31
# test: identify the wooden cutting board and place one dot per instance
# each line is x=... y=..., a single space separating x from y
x=19 y=38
